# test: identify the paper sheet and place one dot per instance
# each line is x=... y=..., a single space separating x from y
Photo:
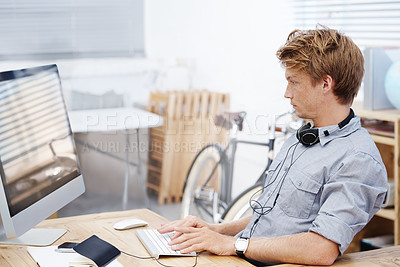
x=48 y=257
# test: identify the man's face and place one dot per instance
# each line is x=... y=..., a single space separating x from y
x=303 y=95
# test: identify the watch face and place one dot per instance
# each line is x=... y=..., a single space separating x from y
x=241 y=244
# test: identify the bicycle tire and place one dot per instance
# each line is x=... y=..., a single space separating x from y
x=207 y=159
x=240 y=206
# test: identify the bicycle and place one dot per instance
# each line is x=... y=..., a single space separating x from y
x=208 y=186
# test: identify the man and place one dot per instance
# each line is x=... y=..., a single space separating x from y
x=327 y=181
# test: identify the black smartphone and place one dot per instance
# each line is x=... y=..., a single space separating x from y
x=66 y=247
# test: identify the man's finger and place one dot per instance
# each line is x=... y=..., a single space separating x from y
x=166 y=228
x=186 y=229
x=188 y=242
x=176 y=235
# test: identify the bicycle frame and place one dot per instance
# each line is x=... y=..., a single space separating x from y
x=206 y=195
x=234 y=142
x=215 y=202
x=229 y=162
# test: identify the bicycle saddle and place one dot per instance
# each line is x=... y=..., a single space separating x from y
x=227 y=119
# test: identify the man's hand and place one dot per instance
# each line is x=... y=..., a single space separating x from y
x=189 y=221
x=193 y=234
x=192 y=239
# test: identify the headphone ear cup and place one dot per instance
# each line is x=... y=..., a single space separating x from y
x=301 y=130
x=307 y=136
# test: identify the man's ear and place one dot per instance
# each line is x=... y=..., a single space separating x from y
x=328 y=83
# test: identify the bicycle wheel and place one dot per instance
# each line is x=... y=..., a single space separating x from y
x=204 y=185
x=240 y=206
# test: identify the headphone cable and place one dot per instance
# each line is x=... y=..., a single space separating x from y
x=154 y=258
x=280 y=183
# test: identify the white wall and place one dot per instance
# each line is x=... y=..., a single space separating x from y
x=228 y=46
x=220 y=45
x=130 y=78
x=230 y=43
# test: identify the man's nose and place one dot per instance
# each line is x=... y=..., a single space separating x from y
x=287 y=93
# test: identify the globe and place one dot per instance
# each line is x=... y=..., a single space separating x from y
x=392 y=84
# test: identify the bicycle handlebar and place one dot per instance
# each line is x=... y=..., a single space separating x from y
x=226 y=120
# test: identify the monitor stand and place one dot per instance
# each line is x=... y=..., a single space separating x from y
x=34 y=237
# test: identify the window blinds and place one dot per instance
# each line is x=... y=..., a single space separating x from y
x=368 y=23
x=71 y=28
x=32 y=113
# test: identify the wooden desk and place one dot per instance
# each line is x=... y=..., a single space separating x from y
x=81 y=227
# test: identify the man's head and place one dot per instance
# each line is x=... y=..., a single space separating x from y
x=323 y=52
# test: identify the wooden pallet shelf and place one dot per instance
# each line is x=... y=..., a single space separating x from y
x=188 y=126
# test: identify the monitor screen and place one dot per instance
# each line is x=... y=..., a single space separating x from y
x=37 y=152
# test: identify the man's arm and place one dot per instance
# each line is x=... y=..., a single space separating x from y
x=231 y=228
x=193 y=234
x=304 y=248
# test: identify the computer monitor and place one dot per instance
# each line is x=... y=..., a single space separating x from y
x=39 y=166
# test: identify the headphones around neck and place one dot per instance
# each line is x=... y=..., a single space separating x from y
x=308 y=136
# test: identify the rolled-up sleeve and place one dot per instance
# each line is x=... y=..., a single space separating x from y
x=350 y=198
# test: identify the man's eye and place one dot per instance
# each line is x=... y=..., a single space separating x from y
x=293 y=82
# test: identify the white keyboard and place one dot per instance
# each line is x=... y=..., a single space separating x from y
x=157 y=244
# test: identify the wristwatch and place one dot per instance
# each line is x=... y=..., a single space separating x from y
x=241 y=246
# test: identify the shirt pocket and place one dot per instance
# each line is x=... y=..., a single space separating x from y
x=297 y=194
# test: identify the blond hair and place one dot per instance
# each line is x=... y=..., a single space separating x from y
x=322 y=52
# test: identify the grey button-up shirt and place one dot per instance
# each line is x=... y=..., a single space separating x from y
x=332 y=188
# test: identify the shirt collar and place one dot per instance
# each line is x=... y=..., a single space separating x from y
x=335 y=132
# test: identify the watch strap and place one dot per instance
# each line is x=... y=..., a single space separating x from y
x=239 y=252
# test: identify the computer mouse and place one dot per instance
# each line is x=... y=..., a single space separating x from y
x=129 y=223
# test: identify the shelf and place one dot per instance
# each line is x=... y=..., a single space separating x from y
x=387 y=214
x=385 y=115
x=383 y=139
x=384 y=128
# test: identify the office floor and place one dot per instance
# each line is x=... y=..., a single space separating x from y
x=104 y=177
